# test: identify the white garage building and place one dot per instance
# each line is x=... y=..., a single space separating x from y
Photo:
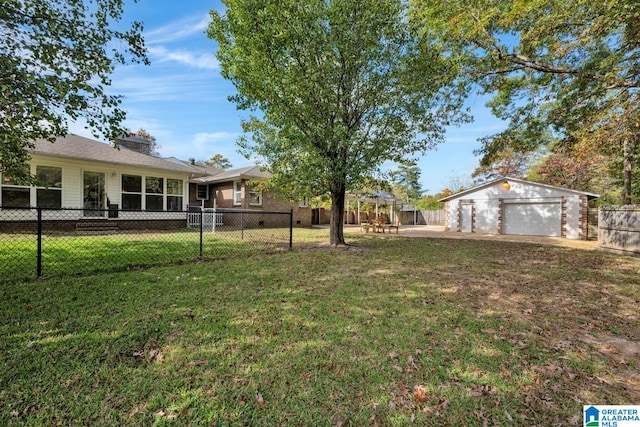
x=514 y=206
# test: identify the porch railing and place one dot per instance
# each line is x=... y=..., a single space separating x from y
x=207 y=216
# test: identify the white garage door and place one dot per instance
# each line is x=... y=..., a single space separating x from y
x=532 y=219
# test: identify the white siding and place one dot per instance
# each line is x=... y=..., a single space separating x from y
x=486 y=202
x=72 y=177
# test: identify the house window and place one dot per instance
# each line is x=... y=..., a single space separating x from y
x=174 y=194
x=202 y=192
x=14 y=195
x=49 y=189
x=237 y=193
x=132 y=192
x=304 y=203
x=255 y=197
x=154 y=198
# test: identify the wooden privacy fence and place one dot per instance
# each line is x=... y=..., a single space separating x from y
x=619 y=228
x=423 y=217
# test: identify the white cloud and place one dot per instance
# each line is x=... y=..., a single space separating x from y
x=213 y=137
x=177 y=30
x=204 y=60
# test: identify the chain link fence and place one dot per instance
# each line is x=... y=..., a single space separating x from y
x=43 y=242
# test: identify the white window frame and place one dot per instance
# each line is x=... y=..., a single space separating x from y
x=51 y=188
x=123 y=193
x=8 y=184
x=169 y=194
x=252 y=194
x=162 y=194
x=237 y=193
x=304 y=203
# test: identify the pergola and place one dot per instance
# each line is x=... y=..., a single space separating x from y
x=377 y=197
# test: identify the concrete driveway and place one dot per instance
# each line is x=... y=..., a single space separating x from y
x=436 y=231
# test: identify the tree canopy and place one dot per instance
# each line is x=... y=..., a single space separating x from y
x=56 y=58
x=340 y=87
x=218 y=161
x=564 y=73
x=406 y=180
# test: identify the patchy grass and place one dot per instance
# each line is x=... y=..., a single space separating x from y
x=391 y=331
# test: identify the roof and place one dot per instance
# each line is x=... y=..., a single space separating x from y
x=77 y=147
x=521 y=181
x=249 y=172
x=375 y=196
x=202 y=169
x=80 y=148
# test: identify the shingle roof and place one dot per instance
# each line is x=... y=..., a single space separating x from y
x=249 y=172
x=77 y=147
x=522 y=181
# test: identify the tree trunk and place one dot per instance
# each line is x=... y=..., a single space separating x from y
x=336 y=229
x=627 y=169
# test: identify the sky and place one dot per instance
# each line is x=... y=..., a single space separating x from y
x=182 y=100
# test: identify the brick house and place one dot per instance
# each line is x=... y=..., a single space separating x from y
x=233 y=189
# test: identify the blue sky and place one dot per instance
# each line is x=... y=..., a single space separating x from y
x=181 y=99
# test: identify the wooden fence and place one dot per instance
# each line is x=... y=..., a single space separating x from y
x=424 y=217
x=619 y=229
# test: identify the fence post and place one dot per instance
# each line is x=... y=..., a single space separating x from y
x=291 y=229
x=241 y=225
x=201 y=230
x=39 y=262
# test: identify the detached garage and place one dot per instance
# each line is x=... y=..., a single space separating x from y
x=514 y=206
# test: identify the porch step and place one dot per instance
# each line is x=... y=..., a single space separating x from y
x=96 y=228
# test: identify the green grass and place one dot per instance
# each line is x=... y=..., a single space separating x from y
x=65 y=255
x=391 y=331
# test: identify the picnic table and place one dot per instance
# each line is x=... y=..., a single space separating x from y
x=379 y=226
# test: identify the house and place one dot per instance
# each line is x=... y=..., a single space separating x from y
x=78 y=172
x=514 y=206
x=237 y=188
x=124 y=184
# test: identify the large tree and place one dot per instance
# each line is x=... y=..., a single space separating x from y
x=341 y=86
x=406 y=180
x=218 y=161
x=56 y=58
x=565 y=70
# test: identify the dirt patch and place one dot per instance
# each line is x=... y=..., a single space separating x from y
x=439 y=233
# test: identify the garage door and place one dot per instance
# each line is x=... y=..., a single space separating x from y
x=532 y=219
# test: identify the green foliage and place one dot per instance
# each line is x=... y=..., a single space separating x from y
x=507 y=162
x=55 y=62
x=218 y=161
x=564 y=70
x=342 y=87
x=406 y=181
x=430 y=203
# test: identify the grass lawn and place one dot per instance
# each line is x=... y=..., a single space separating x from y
x=391 y=331
x=70 y=255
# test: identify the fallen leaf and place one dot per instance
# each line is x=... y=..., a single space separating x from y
x=155 y=354
x=260 y=399
x=420 y=393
